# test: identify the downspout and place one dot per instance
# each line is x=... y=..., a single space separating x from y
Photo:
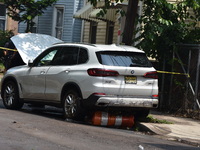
x=83 y=22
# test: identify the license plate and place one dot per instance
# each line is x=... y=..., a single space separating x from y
x=130 y=79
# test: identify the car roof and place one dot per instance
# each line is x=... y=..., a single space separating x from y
x=102 y=47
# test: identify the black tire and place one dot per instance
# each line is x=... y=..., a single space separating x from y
x=72 y=106
x=10 y=97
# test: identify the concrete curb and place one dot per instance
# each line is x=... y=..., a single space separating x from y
x=166 y=131
x=154 y=128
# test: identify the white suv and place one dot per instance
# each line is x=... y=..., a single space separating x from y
x=82 y=78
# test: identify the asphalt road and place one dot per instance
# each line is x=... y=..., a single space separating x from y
x=44 y=129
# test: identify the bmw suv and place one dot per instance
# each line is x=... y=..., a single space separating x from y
x=82 y=78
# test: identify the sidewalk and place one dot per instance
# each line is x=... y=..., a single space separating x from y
x=184 y=130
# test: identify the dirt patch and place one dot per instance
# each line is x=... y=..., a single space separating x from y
x=194 y=114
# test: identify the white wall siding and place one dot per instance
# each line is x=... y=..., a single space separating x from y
x=101 y=32
x=86 y=31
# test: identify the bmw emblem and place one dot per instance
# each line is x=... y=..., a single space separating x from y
x=132 y=71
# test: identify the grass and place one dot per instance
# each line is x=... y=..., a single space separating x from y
x=150 y=119
x=1 y=70
x=1 y=66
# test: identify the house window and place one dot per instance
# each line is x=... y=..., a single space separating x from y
x=2 y=16
x=58 y=22
x=93 y=32
x=109 y=32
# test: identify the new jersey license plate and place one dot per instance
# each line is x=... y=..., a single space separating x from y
x=130 y=79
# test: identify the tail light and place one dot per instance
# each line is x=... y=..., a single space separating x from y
x=102 y=72
x=154 y=96
x=152 y=75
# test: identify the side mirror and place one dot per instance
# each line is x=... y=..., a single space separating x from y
x=30 y=63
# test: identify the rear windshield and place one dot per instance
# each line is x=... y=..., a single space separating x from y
x=127 y=59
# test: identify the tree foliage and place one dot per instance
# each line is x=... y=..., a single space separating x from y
x=26 y=10
x=166 y=24
x=4 y=37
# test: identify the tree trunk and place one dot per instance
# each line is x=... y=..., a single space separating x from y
x=27 y=26
x=130 y=22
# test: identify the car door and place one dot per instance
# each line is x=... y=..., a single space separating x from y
x=60 y=71
x=34 y=82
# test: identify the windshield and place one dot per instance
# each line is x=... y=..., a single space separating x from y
x=126 y=59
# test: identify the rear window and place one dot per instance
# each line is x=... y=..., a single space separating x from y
x=126 y=59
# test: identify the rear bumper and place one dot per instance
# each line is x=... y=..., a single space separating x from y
x=121 y=101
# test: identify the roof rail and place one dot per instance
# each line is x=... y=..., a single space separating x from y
x=86 y=44
x=114 y=44
x=76 y=43
x=59 y=43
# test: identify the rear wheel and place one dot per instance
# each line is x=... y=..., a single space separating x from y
x=71 y=105
x=10 y=97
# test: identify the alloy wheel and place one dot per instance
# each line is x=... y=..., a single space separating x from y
x=71 y=105
x=9 y=94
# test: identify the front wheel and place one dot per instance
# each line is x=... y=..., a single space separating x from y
x=10 y=97
x=71 y=105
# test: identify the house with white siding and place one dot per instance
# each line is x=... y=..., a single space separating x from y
x=105 y=29
x=77 y=21
x=101 y=29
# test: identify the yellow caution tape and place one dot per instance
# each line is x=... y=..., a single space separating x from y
x=4 y=48
x=186 y=74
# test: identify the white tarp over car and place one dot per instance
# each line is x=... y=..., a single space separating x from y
x=30 y=45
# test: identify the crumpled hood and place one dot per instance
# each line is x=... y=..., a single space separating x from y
x=30 y=45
